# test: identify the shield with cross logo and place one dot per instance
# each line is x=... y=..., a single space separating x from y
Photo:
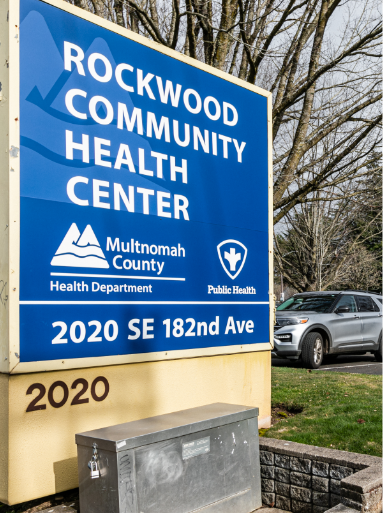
x=232 y=255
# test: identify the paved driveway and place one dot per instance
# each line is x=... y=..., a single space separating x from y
x=354 y=364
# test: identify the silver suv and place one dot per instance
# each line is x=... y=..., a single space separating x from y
x=312 y=325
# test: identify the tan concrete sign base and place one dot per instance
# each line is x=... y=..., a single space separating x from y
x=41 y=412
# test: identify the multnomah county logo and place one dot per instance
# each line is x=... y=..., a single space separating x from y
x=78 y=250
x=234 y=253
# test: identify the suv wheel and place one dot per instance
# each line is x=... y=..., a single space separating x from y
x=312 y=350
x=378 y=353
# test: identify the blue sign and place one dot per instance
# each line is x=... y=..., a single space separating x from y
x=144 y=197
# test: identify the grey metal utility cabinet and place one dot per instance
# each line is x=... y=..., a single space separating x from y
x=201 y=459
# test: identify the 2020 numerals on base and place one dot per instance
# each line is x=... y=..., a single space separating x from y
x=77 y=399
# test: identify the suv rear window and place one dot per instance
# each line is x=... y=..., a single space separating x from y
x=366 y=304
x=312 y=303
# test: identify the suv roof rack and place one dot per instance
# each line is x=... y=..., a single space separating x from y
x=365 y=291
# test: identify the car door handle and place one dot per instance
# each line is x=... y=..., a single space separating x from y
x=356 y=317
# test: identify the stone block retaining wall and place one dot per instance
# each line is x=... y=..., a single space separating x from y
x=307 y=479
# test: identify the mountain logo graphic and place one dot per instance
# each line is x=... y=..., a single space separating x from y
x=234 y=254
x=78 y=250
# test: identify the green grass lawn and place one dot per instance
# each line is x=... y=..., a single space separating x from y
x=332 y=403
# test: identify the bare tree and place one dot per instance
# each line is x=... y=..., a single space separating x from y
x=320 y=58
x=324 y=246
x=361 y=273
